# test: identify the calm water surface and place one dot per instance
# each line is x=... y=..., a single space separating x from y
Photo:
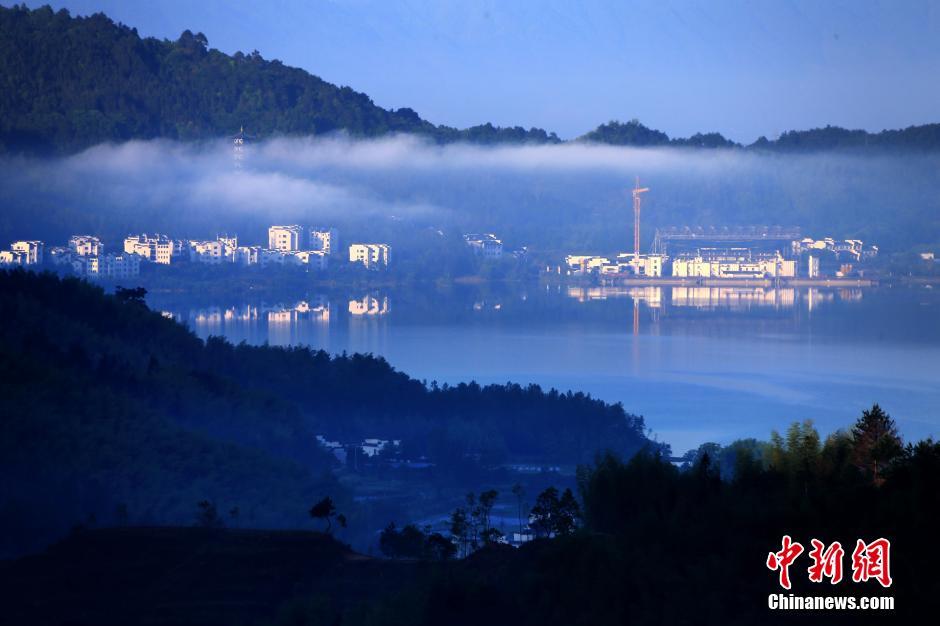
x=700 y=364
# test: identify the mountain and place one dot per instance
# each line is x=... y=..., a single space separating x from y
x=71 y=82
x=109 y=410
x=830 y=138
x=633 y=133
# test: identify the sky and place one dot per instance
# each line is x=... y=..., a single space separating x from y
x=744 y=69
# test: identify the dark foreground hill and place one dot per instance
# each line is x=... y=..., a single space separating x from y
x=656 y=546
x=188 y=576
x=111 y=413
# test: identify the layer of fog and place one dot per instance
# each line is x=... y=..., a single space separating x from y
x=549 y=196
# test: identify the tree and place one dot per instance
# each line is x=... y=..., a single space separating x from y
x=875 y=442
x=460 y=530
x=130 y=296
x=554 y=516
x=326 y=510
x=207 y=515
x=519 y=491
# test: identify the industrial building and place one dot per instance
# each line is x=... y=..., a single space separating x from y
x=732 y=263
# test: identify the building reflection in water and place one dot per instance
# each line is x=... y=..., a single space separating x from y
x=734 y=298
x=369 y=305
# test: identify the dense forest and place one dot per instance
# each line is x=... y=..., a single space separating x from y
x=653 y=543
x=72 y=82
x=830 y=138
x=109 y=410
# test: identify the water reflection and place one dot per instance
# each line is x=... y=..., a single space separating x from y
x=369 y=305
x=702 y=363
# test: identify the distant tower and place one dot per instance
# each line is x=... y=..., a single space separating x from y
x=637 y=190
x=238 y=148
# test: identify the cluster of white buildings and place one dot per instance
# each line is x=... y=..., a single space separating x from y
x=625 y=263
x=367 y=448
x=705 y=263
x=22 y=253
x=733 y=263
x=287 y=245
x=852 y=248
x=726 y=262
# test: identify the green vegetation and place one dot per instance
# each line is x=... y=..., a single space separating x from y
x=113 y=414
x=660 y=544
x=72 y=82
x=657 y=544
x=830 y=138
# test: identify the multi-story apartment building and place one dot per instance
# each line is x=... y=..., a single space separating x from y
x=247 y=255
x=32 y=251
x=324 y=239
x=85 y=245
x=107 y=266
x=372 y=255
x=285 y=238
x=213 y=252
x=156 y=248
x=315 y=259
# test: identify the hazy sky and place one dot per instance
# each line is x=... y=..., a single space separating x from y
x=742 y=68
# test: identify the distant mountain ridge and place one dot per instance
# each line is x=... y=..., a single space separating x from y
x=72 y=82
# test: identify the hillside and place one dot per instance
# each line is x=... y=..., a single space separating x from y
x=71 y=82
x=188 y=576
x=830 y=138
x=113 y=413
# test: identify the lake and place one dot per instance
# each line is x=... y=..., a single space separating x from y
x=699 y=363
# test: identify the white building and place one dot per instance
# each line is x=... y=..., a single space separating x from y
x=32 y=251
x=585 y=263
x=85 y=245
x=645 y=265
x=314 y=259
x=733 y=267
x=372 y=255
x=222 y=250
x=156 y=248
x=12 y=257
x=267 y=257
x=107 y=266
x=247 y=255
x=229 y=246
x=324 y=240
x=60 y=256
x=208 y=252
x=812 y=267
x=284 y=238
x=486 y=245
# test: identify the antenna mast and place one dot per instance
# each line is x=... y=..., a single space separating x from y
x=637 y=190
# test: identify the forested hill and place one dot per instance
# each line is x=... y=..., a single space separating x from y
x=913 y=138
x=105 y=404
x=71 y=82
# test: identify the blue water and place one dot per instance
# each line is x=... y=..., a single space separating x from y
x=710 y=365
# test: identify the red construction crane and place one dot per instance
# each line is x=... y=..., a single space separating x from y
x=636 y=218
